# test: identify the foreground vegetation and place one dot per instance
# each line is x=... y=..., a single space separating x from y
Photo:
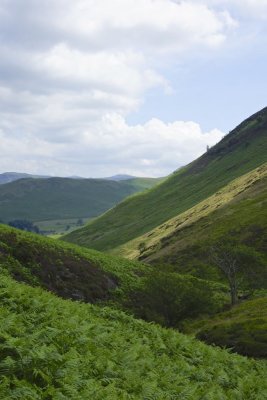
x=58 y=349
x=152 y=293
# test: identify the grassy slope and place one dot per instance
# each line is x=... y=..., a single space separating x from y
x=242 y=202
x=244 y=218
x=243 y=328
x=65 y=269
x=62 y=350
x=241 y=151
x=63 y=198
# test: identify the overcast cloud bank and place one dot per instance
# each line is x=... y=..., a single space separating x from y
x=71 y=73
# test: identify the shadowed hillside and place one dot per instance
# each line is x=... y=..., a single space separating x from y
x=67 y=270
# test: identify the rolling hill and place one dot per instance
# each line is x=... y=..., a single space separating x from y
x=241 y=151
x=7 y=177
x=56 y=199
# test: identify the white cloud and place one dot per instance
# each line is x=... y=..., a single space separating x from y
x=120 y=72
x=111 y=146
x=71 y=72
x=253 y=8
x=156 y=24
x=249 y=8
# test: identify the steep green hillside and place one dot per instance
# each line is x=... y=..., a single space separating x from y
x=239 y=206
x=243 y=328
x=64 y=198
x=57 y=349
x=242 y=220
x=65 y=269
x=89 y=276
x=244 y=149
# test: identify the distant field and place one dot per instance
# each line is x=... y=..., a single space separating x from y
x=61 y=226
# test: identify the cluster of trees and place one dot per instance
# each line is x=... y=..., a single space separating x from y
x=24 y=225
x=168 y=298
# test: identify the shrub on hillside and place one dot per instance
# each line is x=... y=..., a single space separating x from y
x=168 y=298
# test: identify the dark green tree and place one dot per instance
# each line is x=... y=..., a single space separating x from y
x=168 y=298
x=243 y=266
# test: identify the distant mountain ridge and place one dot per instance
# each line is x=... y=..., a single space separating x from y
x=239 y=152
x=120 y=177
x=7 y=177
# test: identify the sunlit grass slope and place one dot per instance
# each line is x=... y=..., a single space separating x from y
x=57 y=349
x=243 y=328
x=244 y=219
x=240 y=205
x=244 y=149
x=64 y=198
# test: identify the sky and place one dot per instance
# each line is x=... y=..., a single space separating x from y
x=98 y=87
